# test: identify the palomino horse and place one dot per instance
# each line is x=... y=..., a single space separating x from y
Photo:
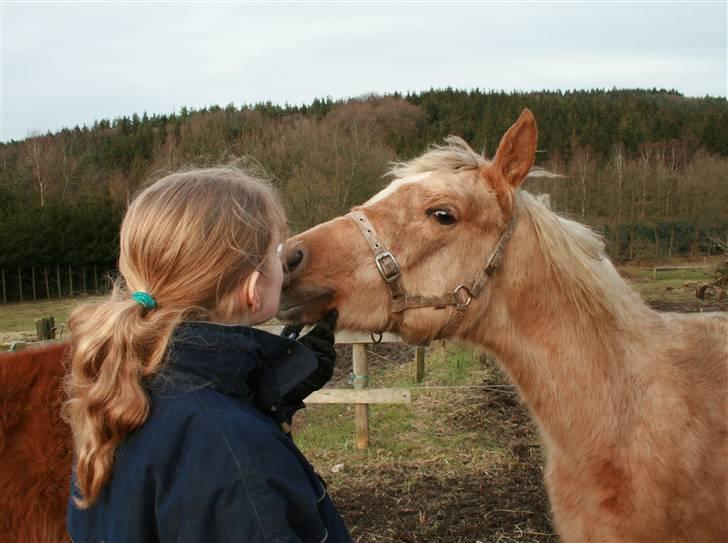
x=632 y=404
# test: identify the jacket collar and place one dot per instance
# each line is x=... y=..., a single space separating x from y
x=224 y=357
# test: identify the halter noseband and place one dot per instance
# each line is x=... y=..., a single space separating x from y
x=400 y=300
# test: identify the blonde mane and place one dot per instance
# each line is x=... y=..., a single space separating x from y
x=577 y=259
x=456 y=154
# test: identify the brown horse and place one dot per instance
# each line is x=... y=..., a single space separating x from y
x=632 y=404
x=35 y=447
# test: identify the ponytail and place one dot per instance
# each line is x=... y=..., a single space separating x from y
x=114 y=345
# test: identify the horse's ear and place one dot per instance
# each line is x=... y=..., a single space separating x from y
x=517 y=150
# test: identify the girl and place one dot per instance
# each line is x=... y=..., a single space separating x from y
x=172 y=406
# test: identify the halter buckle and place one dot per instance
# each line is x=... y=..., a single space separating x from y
x=389 y=270
x=462 y=305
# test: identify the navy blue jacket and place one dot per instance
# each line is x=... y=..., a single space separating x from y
x=207 y=465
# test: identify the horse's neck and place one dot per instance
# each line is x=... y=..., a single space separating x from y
x=570 y=364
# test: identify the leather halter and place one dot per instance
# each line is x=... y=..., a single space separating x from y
x=400 y=299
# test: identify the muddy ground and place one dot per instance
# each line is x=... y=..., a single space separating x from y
x=503 y=501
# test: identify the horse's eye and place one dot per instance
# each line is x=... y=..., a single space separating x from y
x=443 y=216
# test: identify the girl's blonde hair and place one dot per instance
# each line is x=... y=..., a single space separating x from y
x=190 y=240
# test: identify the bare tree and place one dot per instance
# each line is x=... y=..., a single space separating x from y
x=645 y=158
x=583 y=163
x=41 y=154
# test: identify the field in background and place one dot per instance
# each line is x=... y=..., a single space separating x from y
x=17 y=320
x=673 y=289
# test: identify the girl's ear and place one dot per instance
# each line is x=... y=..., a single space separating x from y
x=251 y=292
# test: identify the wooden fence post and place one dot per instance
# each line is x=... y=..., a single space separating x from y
x=361 y=380
x=45 y=329
x=420 y=361
x=58 y=280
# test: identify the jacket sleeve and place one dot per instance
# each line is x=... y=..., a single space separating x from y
x=240 y=482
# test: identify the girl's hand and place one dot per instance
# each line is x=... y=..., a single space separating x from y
x=320 y=340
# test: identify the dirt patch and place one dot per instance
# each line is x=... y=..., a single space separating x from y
x=503 y=503
x=456 y=498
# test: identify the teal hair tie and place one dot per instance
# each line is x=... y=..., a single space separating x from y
x=144 y=299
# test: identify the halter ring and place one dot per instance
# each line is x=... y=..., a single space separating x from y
x=377 y=340
x=466 y=303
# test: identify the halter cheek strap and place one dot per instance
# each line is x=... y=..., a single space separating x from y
x=400 y=299
x=386 y=264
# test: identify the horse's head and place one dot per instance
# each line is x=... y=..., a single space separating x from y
x=441 y=219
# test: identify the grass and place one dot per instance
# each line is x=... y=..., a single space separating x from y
x=17 y=320
x=418 y=433
x=681 y=274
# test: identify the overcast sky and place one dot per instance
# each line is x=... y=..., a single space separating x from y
x=66 y=64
